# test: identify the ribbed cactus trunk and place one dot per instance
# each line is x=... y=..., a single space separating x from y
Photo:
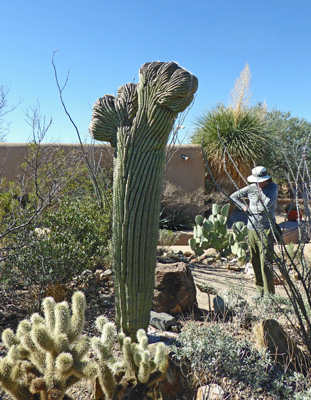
x=137 y=123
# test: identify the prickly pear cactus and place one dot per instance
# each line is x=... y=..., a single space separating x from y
x=237 y=241
x=137 y=123
x=212 y=233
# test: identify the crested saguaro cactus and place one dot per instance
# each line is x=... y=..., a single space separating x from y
x=137 y=123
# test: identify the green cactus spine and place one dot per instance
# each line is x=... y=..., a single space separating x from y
x=138 y=122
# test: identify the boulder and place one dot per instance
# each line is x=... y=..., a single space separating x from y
x=270 y=335
x=210 y=392
x=175 y=291
x=162 y=321
x=220 y=306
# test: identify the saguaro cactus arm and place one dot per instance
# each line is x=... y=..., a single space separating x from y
x=138 y=122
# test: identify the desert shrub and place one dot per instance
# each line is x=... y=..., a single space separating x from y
x=176 y=207
x=71 y=238
x=214 y=353
x=167 y=238
x=306 y=395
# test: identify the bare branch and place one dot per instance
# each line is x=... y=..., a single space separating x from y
x=86 y=160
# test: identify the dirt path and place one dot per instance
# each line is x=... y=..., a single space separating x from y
x=222 y=279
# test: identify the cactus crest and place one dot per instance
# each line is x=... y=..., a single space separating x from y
x=138 y=123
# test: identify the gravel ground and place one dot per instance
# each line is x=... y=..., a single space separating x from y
x=20 y=304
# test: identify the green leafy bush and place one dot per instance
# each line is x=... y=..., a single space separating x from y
x=167 y=238
x=71 y=238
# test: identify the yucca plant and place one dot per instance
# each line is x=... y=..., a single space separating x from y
x=234 y=137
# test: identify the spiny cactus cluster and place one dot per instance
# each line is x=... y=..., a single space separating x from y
x=212 y=233
x=49 y=354
x=139 y=365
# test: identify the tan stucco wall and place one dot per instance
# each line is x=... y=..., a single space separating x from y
x=188 y=175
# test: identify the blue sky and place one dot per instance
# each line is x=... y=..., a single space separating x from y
x=104 y=43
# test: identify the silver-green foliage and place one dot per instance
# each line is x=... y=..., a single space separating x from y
x=213 y=352
x=213 y=233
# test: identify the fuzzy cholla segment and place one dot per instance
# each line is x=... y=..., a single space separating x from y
x=139 y=364
x=47 y=355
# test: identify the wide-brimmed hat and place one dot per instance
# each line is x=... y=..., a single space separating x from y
x=259 y=174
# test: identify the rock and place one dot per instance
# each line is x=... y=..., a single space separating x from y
x=162 y=320
x=106 y=299
x=175 y=291
x=249 y=269
x=270 y=335
x=219 y=306
x=210 y=392
x=208 y=261
x=211 y=252
x=233 y=267
x=175 y=385
x=98 y=274
x=107 y=274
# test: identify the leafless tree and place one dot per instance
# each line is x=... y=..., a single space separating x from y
x=41 y=178
x=5 y=109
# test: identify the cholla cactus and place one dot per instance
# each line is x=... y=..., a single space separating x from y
x=212 y=233
x=138 y=365
x=47 y=355
x=138 y=123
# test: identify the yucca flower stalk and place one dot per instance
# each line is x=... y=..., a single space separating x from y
x=234 y=137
